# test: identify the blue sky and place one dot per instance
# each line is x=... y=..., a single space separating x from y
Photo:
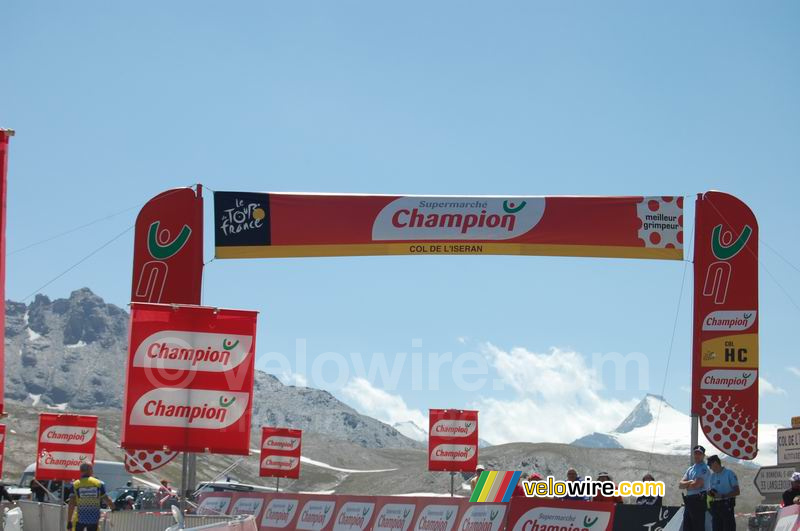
x=116 y=102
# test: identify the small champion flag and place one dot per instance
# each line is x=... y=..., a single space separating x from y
x=495 y=486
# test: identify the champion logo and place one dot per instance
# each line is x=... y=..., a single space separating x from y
x=556 y=519
x=247 y=506
x=63 y=460
x=454 y=428
x=192 y=351
x=280 y=462
x=279 y=513
x=453 y=452
x=483 y=518
x=189 y=408
x=732 y=380
x=436 y=518
x=457 y=218
x=72 y=435
x=214 y=505
x=277 y=442
x=729 y=320
x=315 y=515
x=353 y=515
x=394 y=517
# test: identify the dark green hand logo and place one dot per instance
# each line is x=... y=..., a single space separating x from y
x=726 y=252
x=226 y=403
x=229 y=345
x=511 y=208
x=170 y=249
x=493 y=515
x=588 y=522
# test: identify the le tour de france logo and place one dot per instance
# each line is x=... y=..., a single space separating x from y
x=457 y=218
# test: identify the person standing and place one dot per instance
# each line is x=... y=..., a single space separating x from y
x=572 y=476
x=649 y=500
x=604 y=476
x=792 y=492
x=695 y=482
x=474 y=481
x=87 y=494
x=723 y=491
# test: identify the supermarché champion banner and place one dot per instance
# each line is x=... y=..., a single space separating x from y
x=273 y=225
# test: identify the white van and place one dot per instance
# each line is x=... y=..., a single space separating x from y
x=112 y=473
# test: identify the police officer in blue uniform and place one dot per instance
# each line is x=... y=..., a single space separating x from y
x=696 y=483
x=723 y=491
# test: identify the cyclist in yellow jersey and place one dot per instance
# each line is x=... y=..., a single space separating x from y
x=87 y=493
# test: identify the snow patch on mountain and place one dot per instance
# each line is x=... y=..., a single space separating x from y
x=411 y=430
x=655 y=426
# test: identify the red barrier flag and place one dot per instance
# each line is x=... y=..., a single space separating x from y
x=64 y=443
x=725 y=357
x=453 y=440
x=189 y=383
x=2 y=447
x=5 y=134
x=280 y=452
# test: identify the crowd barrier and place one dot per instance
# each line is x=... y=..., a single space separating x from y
x=311 y=512
x=248 y=524
x=788 y=519
x=159 y=521
x=37 y=516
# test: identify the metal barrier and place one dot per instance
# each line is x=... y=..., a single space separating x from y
x=38 y=516
x=149 y=521
x=248 y=524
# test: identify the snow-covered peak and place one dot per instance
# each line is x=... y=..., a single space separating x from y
x=655 y=426
x=411 y=430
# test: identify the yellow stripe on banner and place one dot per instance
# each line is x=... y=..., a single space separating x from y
x=487 y=485
x=414 y=248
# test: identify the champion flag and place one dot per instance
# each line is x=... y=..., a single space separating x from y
x=189 y=383
x=65 y=442
x=725 y=353
x=453 y=440
x=280 y=452
x=167 y=268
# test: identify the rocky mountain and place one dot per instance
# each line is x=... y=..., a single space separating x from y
x=655 y=426
x=69 y=354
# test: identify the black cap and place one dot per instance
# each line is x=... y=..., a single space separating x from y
x=699 y=448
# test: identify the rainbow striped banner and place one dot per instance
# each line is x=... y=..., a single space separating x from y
x=495 y=486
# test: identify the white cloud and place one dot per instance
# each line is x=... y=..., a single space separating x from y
x=379 y=404
x=557 y=400
x=795 y=371
x=293 y=378
x=767 y=388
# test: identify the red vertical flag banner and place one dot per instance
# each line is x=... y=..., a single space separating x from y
x=2 y=447
x=168 y=249
x=725 y=353
x=167 y=268
x=189 y=381
x=280 y=452
x=5 y=134
x=453 y=440
x=64 y=443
